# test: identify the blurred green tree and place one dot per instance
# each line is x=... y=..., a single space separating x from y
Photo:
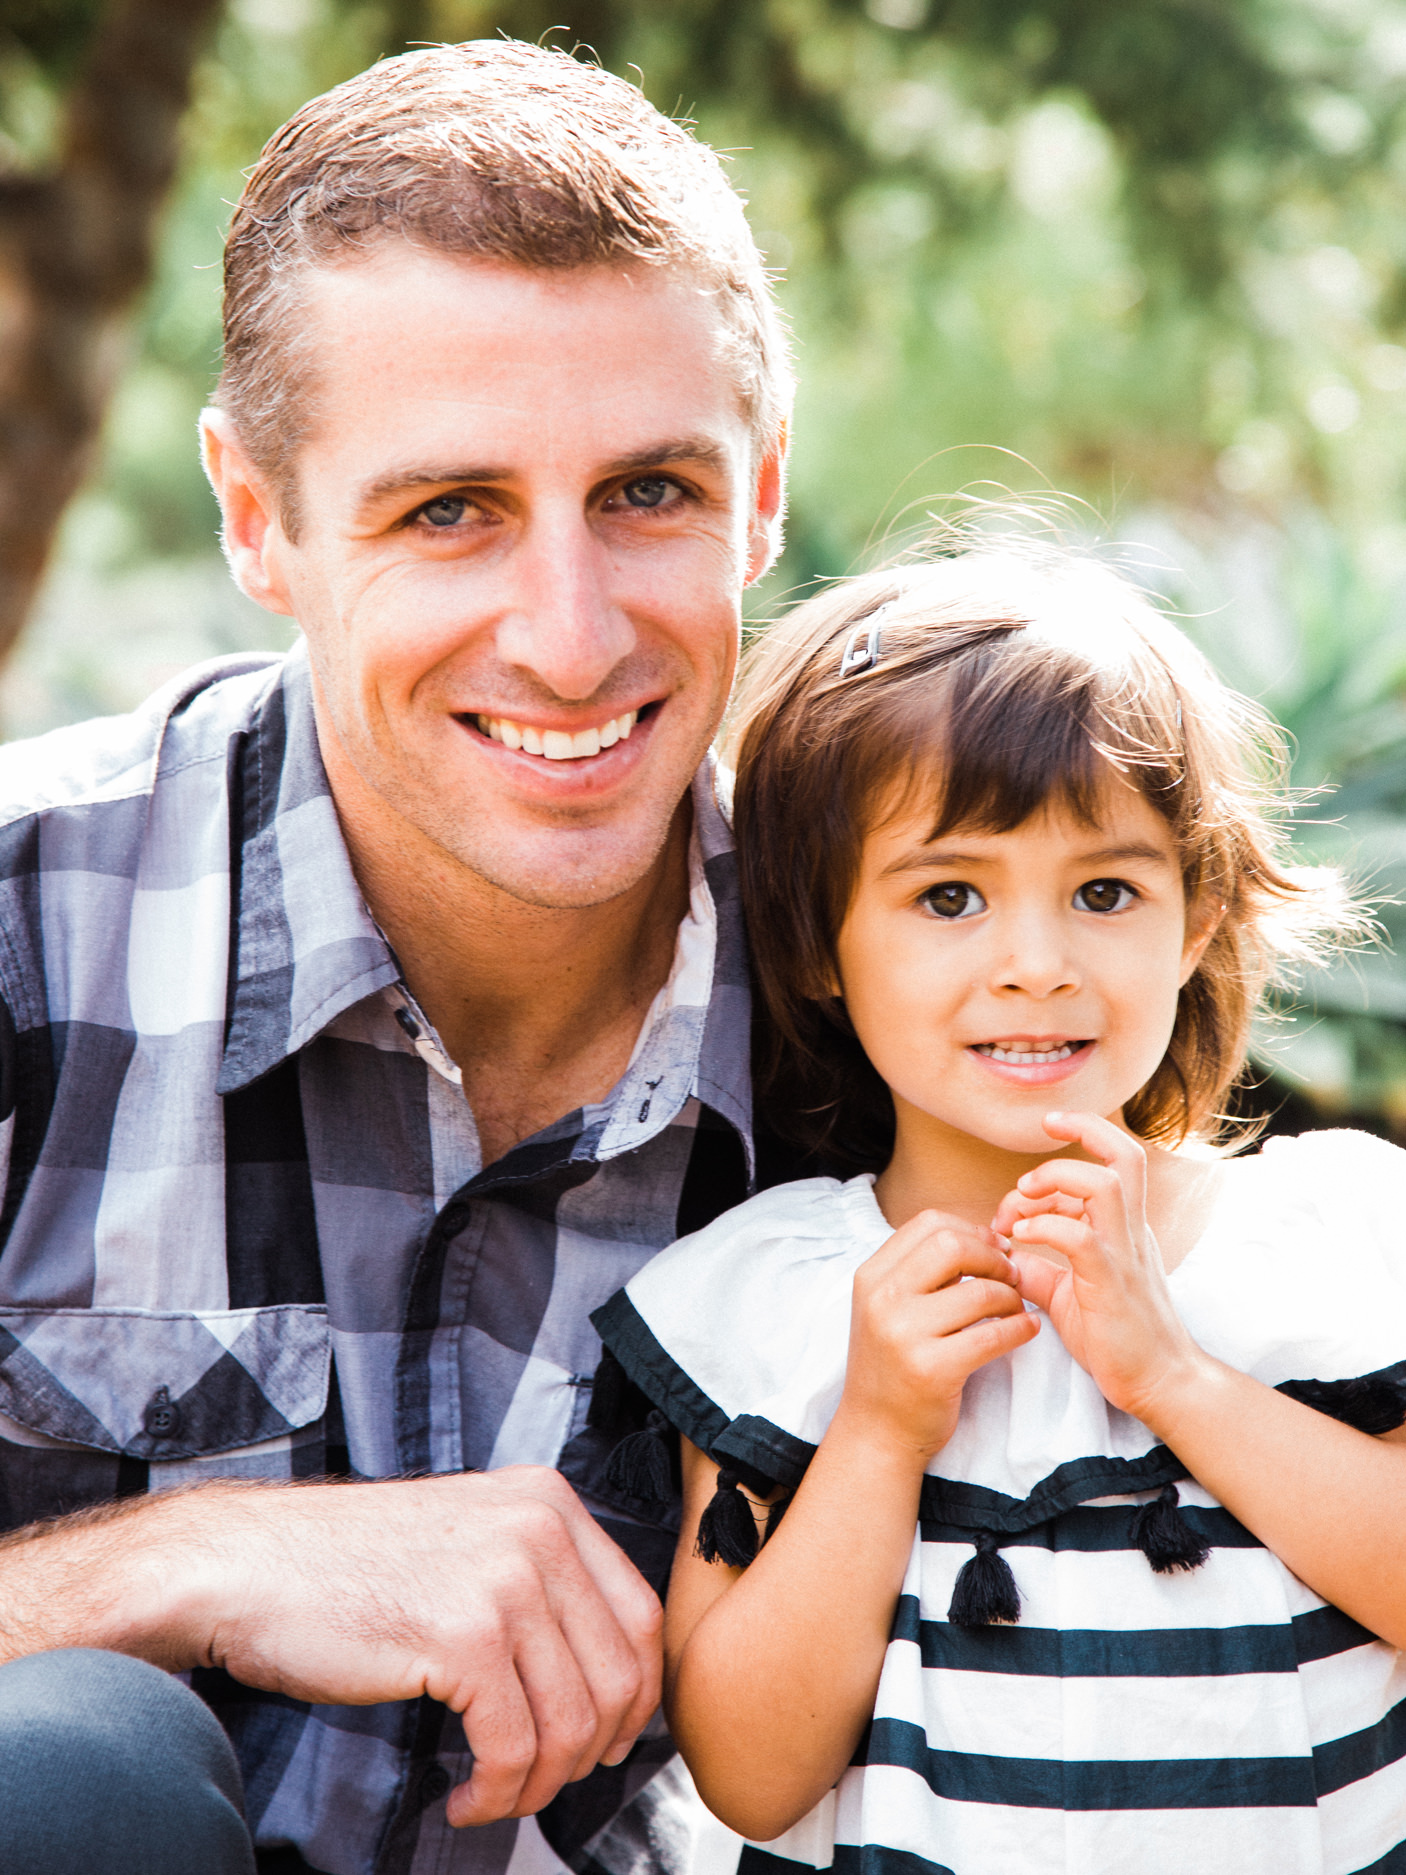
x=888 y=136
x=77 y=239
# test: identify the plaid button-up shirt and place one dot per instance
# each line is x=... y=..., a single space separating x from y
x=246 y=1231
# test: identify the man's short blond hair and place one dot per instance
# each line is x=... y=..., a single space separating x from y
x=492 y=151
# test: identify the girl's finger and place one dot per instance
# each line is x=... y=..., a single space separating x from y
x=987 y=1341
x=921 y=1230
x=1037 y=1277
x=1100 y=1138
x=1062 y=1201
x=1071 y=1237
x=951 y=1310
x=936 y=1261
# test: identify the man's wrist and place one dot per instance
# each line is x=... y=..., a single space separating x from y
x=140 y=1578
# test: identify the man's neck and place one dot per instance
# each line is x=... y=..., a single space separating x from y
x=540 y=1007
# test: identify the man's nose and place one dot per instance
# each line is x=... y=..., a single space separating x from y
x=1036 y=957
x=564 y=623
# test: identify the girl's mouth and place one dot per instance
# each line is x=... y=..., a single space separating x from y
x=1020 y=1055
x=1032 y=1064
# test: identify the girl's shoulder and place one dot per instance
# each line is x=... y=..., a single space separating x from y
x=1301 y=1273
x=754 y=1301
x=807 y=1218
x=1328 y=1178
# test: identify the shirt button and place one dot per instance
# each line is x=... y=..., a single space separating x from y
x=162 y=1418
x=434 y=1782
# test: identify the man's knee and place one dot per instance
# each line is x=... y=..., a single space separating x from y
x=106 y=1762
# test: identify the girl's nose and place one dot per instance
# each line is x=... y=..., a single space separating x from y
x=1037 y=960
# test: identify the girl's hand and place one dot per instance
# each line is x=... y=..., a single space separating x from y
x=1111 y=1307
x=918 y=1330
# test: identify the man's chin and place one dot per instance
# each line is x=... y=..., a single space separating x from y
x=562 y=871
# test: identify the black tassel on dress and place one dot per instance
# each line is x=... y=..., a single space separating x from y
x=727 y=1530
x=640 y=1466
x=1164 y=1536
x=985 y=1589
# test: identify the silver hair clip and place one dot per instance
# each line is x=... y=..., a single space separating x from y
x=865 y=642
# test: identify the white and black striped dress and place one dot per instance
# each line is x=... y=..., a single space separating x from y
x=1208 y=1719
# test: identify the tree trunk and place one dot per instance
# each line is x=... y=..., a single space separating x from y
x=76 y=248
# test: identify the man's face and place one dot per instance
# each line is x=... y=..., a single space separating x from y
x=528 y=507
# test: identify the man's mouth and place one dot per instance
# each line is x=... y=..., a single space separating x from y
x=558 y=745
x=1028 y=1054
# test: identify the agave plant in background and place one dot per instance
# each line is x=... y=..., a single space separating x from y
x=1304 y=622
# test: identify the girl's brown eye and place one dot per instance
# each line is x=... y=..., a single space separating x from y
x=953 y=899
x=1104 y=895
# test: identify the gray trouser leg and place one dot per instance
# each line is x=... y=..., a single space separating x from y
x=110 y=1765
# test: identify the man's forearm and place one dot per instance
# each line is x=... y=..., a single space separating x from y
x=124 y=1576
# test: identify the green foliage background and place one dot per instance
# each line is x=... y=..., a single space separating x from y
x=1151 y=252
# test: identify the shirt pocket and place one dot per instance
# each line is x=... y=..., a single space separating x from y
x=156 y=1386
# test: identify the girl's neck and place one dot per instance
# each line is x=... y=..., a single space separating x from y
x=935 y=1167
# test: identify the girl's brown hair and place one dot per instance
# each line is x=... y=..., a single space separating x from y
x=1009 y=674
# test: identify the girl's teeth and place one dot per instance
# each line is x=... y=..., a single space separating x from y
x=1026 y=1057
x=558 y=745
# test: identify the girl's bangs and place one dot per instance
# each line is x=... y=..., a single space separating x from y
x=1010 y=729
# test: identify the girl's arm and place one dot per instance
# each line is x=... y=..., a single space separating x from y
x=1329 y=1501
x=770 y=1672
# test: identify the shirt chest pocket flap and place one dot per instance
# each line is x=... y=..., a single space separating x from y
x=156 y=1386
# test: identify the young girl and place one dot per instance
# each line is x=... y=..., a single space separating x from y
x=1013 y=885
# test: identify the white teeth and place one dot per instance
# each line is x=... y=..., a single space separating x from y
x=558 y=745
x=1026 y=1057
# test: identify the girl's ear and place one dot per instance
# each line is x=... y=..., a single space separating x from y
x=1202 y=922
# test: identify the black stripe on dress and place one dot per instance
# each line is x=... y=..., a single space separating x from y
x=1090 y=1528
x=1123 y=1784
x=872 y=1859
x=1132 y=1653
x=1344 y=1761
x=1392 y=1863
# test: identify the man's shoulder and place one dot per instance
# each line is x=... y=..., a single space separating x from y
x=113 y=759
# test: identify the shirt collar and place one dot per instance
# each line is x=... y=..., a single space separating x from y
x=304 y=946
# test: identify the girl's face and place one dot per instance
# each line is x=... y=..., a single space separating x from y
x=992 y=977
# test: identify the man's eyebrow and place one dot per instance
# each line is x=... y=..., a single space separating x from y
x=702 y=450
x=925 y=858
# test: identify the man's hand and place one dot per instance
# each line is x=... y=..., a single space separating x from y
x=493 y=1592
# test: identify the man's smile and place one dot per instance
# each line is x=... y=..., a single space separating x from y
x=558 y=745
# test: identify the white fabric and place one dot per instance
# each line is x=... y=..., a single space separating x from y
x=1156 y=1724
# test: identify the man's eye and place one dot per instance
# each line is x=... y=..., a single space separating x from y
x=445 y=510
x=650 y=491
x=1104 y=895
x=954 y=900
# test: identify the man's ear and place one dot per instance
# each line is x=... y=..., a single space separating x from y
x=768 y=509
x=1202 y=922
x=251 y=531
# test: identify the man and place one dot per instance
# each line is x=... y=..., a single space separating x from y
x=371 y=1015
